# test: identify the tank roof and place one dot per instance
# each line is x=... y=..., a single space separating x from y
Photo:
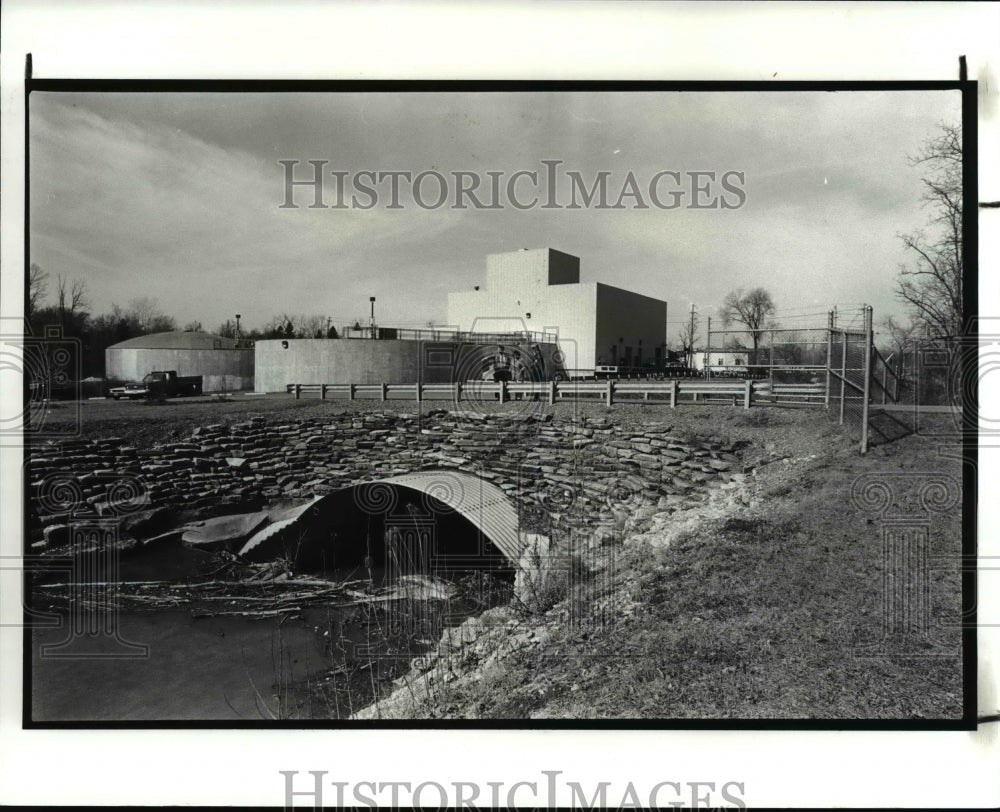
x=177 y=340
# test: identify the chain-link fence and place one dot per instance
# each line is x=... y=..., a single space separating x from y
x=930 y=372
x=848 y=388
x=852 y=379
x=791 y=356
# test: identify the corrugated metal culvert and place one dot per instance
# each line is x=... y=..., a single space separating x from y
x=478 y=501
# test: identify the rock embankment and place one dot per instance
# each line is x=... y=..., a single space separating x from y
x=577 y=473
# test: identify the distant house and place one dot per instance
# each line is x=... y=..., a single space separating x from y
x=718 y=361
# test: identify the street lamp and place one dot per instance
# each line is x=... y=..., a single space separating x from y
x=372 y=300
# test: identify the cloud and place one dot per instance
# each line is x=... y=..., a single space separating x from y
x=152 y=210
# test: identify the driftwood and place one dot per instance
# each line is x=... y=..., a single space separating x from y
x=252 y=614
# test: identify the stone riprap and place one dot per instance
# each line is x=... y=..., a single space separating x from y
x=588 y=473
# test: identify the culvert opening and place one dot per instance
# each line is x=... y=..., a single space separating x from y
x=439 y=525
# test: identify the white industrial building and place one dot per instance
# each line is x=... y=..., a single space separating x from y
x=539 y=290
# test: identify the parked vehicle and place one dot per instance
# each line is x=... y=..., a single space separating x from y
x=160 y=384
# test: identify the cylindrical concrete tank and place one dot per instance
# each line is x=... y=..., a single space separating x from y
x=223 y=366
x=280 y=362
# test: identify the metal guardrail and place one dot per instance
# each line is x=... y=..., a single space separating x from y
x=443 y=334
x=737 y=392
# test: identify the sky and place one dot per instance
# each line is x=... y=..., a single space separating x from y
x=178 y=197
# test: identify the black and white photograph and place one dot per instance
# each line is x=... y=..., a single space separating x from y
x=573 y=405
x=560 y=404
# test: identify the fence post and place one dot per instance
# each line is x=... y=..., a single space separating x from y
x=673 y=393
x=770 y=366
x=385 y=394
x=552 y=392
x=747 y=393
x=609 y=392
x=298 y=391
x=868 y=379
x=885 y=370
x=829 y=357
x=843 y=374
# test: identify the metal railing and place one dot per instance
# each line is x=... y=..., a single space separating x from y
x=445 y=334
x=736 y=392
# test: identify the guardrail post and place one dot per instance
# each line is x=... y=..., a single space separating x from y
x=503 y=391
x=747 y=393
x=609 y=392
x=552 y=392
x=673 y=393
x=458 y=391
x=417 y=388
x=385 y=392
x=298 y=391
x=350 y=391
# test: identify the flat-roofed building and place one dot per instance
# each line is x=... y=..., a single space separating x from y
x=540 y=290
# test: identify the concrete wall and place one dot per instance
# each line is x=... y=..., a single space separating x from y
x=640 y=321
x=222 y=370
x=341 y=360
x=317 y=360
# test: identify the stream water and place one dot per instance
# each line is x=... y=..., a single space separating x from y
x=323 y=661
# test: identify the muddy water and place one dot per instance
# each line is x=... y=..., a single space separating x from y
x=325 y=661
x=213 y=669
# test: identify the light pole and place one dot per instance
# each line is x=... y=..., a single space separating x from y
x=237 y=328
x=372 y=300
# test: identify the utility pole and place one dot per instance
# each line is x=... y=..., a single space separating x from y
x=691 y=339
x=708 y=348
x=372 y=300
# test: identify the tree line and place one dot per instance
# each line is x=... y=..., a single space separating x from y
x=65 y=303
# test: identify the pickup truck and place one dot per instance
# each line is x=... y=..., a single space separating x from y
x=160 y=384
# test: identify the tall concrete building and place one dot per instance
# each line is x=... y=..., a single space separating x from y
x=540 y=290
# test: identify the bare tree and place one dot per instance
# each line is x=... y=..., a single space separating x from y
x=73 y=300
x=37 y=288
x=894 y=335
x=227 y=329
x=147 y=316
x=687 y=336
x=753 y=309
x=932 y=284
x=311 y=326
x=193 y=327
x=277 y=327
